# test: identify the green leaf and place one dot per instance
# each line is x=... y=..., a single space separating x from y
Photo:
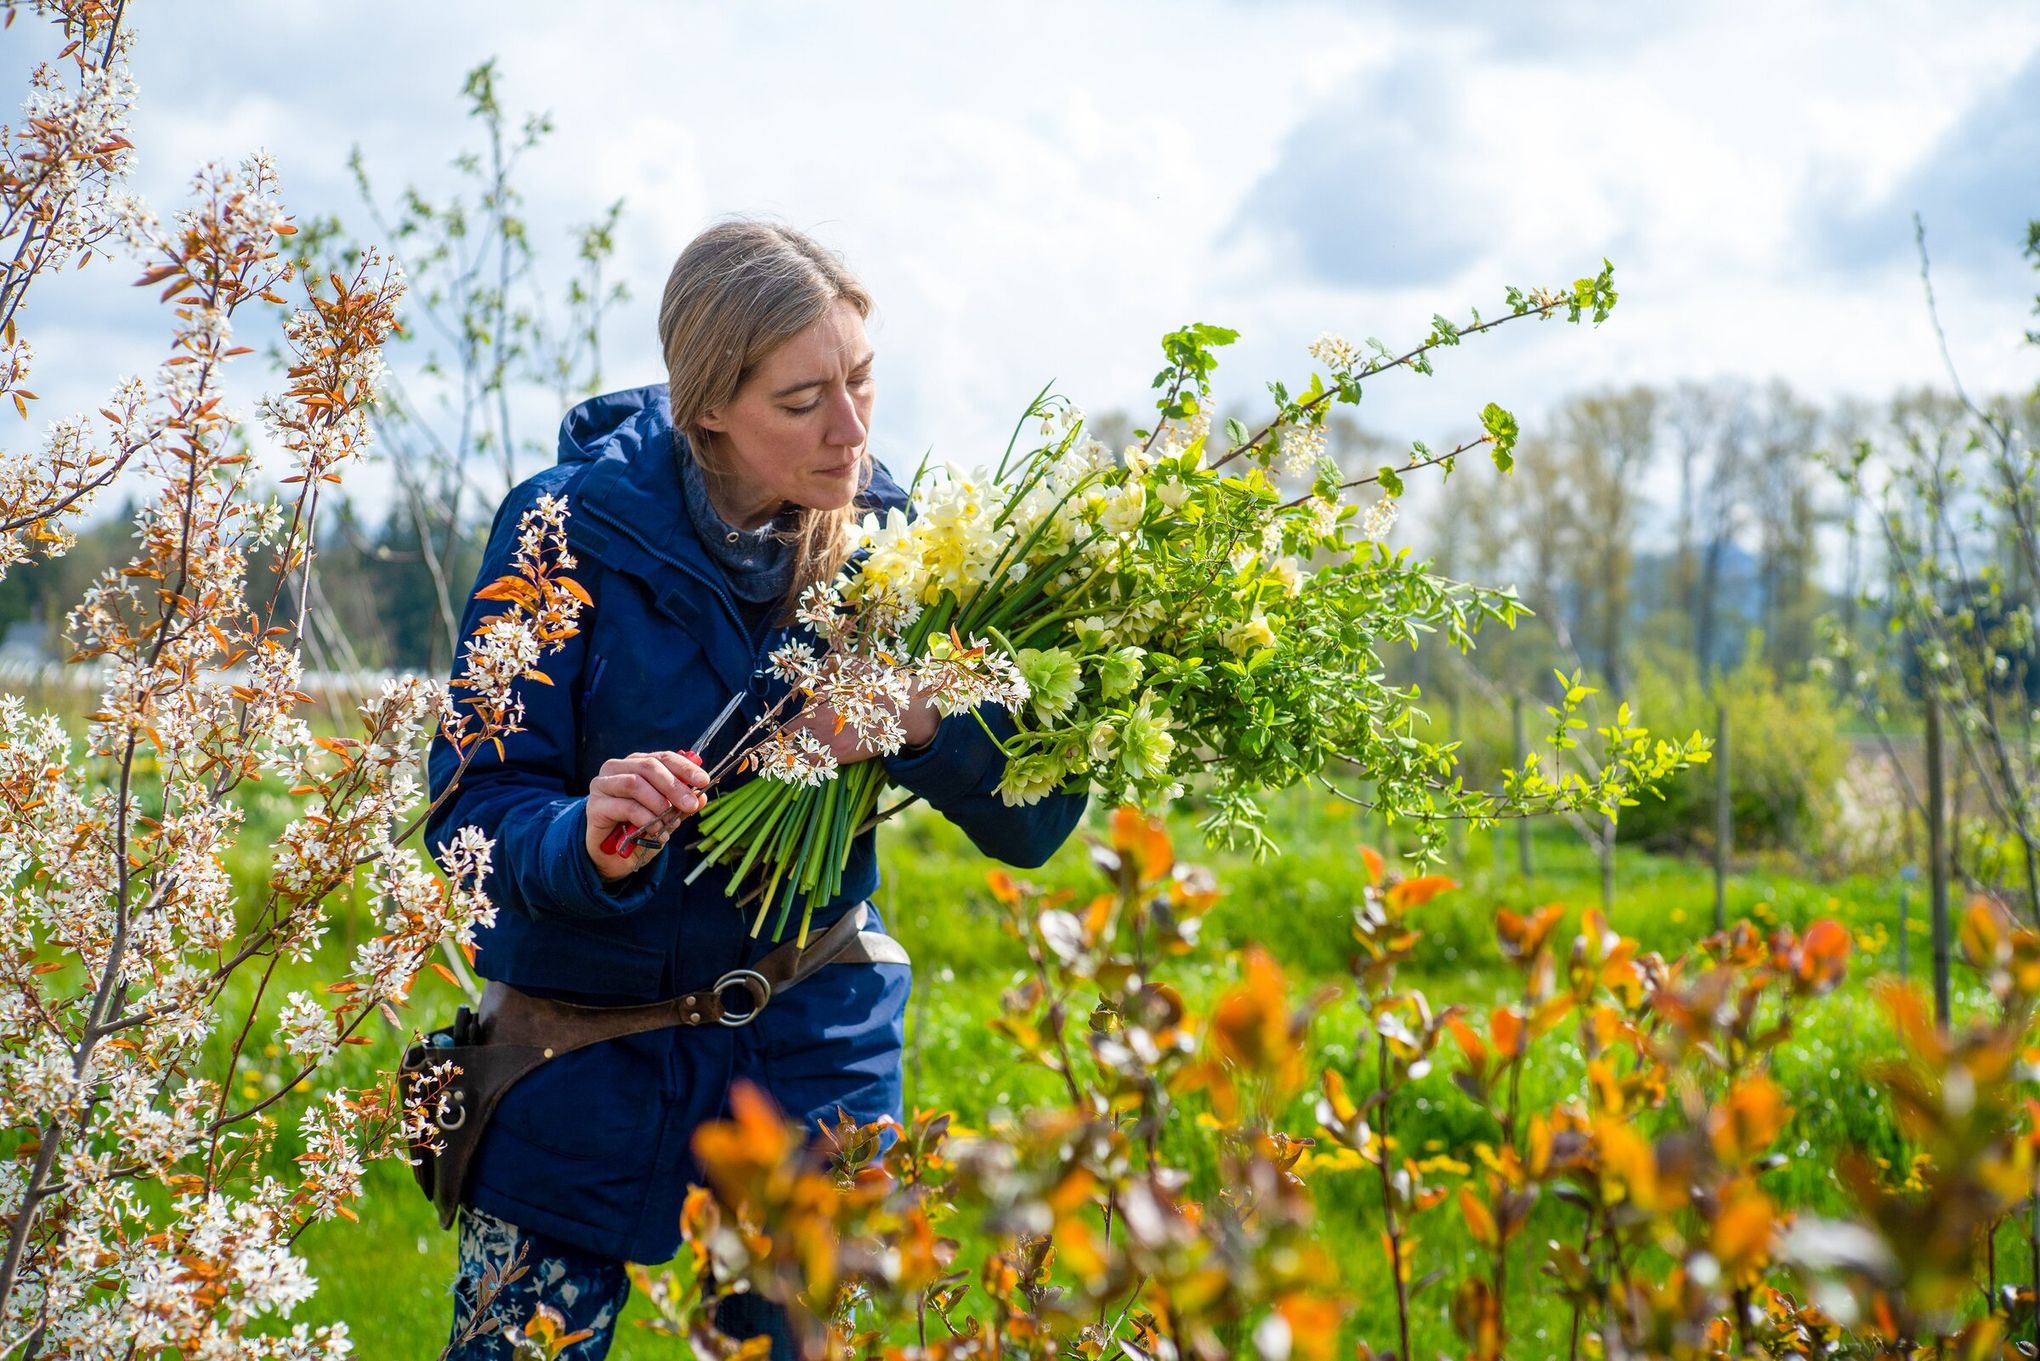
x=1502 y=433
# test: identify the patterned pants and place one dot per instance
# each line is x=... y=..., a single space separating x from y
x=583 y=1290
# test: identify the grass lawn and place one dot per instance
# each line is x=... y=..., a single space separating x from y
x=388 y=1276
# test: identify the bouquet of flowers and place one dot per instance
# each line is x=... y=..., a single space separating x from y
x=1198 y=610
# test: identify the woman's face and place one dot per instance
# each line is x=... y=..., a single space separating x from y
x=796 y=429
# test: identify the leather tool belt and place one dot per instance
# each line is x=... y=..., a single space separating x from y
x=515 y=1032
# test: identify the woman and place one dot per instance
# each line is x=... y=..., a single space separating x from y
x=698 y=511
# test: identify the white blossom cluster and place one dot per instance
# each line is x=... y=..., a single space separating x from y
x=1335 y=352
x=1378 y=519
x=44 y=491
x=509 y=645
x=867 y=679
x=956 y=682
x=1303 y=448
x=225 y=1264
x=795 y=757
x=319 y=438
x=59 y=168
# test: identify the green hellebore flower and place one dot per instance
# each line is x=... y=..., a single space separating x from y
x=1029 y=779
x=1119 y=672
x=1145 y=746
x=1052 y=677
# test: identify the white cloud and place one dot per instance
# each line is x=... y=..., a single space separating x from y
x=1039 y=191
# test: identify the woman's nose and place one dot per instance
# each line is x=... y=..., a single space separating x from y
x=846 y=427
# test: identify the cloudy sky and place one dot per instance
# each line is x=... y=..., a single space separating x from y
x=1039 y=190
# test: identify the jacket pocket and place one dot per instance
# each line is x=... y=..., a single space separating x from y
x=595 y=669
x=656 y=696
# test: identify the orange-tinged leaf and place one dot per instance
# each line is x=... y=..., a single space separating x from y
x=1098 y=915
x=1824 y=953
x=1742 y=1233
x=1416 y=892
x=1251 y=1024
x=1338 y=1099
x=513 y=589
x=1372 y=859
x=1743 y=1126
x=1981 y=933
x=1540 y=1145
x=1470 y=1042
x=1480 y=1221
x=1505 y=1027
x=1909 y=1018
x=1522 y=938
x=1313 y=1325
x=1628 y=1167
x=1135 y=833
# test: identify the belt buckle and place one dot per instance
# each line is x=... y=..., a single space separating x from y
x=751 y=981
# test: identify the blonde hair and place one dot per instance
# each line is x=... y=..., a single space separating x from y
x=738 y=292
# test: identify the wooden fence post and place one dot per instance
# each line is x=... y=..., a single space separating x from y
x=1906 y=875
x=1522 y=824
x=1608 y=866
x=1937 y=853
x=1724 y=824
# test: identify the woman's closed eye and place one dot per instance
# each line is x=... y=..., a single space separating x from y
x=857 y=384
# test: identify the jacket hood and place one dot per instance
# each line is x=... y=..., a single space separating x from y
x=617 y=424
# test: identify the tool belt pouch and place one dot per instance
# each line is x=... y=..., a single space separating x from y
x=454 y=1083
x=454 y=1077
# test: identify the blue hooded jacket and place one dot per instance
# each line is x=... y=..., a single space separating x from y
x=593 y=1147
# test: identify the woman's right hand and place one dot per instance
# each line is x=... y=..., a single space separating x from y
x=639 y=789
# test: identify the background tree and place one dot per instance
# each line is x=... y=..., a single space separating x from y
x=491 y=328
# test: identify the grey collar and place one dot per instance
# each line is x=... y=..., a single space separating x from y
x=758 y=562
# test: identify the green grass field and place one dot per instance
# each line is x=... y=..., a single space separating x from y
x=388 y=1276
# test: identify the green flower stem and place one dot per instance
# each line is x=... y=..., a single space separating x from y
x=803 y=876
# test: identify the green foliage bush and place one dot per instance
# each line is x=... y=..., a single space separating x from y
x=1785 y=760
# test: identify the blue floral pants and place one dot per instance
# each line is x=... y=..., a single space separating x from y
x=583 y=1291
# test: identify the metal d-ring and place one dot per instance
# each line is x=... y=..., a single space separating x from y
x=759 y=986
x=459 y=1102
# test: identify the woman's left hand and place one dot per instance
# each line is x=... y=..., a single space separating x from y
x=918 y=720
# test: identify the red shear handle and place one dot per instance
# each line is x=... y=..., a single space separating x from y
x=622 y=838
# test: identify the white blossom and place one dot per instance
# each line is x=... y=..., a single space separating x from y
x=1378 y=519
x=1335 y=352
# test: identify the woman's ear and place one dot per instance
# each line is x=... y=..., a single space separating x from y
x=712 y=419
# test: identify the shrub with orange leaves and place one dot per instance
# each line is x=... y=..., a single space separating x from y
x=1090 y=1246
x=1663 y=1227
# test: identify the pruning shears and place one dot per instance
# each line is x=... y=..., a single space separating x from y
x=626 y=837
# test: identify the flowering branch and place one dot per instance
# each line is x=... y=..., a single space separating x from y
x=121 y=927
